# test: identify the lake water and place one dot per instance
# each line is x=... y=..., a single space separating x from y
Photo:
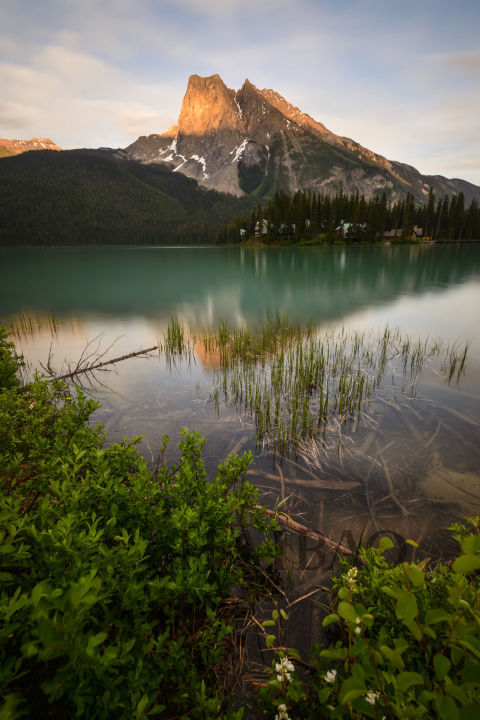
x=408 y=465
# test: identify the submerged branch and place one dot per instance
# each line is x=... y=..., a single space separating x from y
x=304 y=530
x=97 y=366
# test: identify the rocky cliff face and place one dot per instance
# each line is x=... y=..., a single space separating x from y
x=15 y=147
x=255 y=141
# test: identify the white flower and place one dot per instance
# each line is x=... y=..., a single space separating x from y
x=350 y=578
x=351 y=575
x=282 y=713
x=371 y=697
x=284 y=670
x=330 y=676
x=358 y=630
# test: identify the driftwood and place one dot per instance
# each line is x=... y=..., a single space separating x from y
x=96 y=366
x=304 y=530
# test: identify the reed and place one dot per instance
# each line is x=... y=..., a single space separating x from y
x=176 y=340
x=296 y=382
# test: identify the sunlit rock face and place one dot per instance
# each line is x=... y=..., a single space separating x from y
x=15 y=147
x=255 y=141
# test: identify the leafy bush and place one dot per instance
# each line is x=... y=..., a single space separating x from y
x=112 y=579
x=408 y=643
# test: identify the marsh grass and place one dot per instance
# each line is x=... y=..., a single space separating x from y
x=296 y=382
x=177 y=342
x=27 y=325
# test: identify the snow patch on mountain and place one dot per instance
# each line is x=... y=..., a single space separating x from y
x=239 y=150
x=202 y=162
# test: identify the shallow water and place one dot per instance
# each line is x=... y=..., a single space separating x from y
x=408 y=465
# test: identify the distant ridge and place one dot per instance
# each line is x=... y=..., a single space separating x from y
x=15 y=147
x=253 y=141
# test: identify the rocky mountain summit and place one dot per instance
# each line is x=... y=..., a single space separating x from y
x=15 y=147
x=255 y=141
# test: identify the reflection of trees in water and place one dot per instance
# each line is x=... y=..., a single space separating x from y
x=216 y=283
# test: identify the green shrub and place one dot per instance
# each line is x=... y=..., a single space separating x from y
x=408 y=643
x=9 y=362
x=112 y=580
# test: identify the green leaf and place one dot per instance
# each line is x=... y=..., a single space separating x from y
x=442 y=665
x=268 y=623
x=270 y=640
x=344 y=593
x=352 y=688
x=471 y=544
x=407 y=608
x=408 y=679
x=334 y=653
x=283 y=614
x=415 y=575
x=414 y=629
x=454 y=595
x=466 y=564
x=447 y=708
x=347 y=611
x=437 y=615
x=456 y=653
x=385 y=544
x=143 y=702
x=95 y=640
x=394 y=656
x=456 y=692
x=390 y=592
x=471 y=643
x=330 y=619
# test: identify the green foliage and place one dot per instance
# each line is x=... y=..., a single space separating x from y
x=407 y=643
x=112 y=580
x=9 y=362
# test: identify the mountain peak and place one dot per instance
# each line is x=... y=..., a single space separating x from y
x=208 y=106
x=255 y=141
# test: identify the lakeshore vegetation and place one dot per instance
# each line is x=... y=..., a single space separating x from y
x=125 y=590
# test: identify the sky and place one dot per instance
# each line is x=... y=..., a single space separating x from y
x=401 y=77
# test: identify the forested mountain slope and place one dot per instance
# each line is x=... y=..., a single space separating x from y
x=98 y=196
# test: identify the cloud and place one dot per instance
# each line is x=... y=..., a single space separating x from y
x=79 y=100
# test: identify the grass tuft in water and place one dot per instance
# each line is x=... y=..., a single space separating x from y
x=296 y=381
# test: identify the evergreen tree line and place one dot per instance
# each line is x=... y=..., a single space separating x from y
x=307 y=215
